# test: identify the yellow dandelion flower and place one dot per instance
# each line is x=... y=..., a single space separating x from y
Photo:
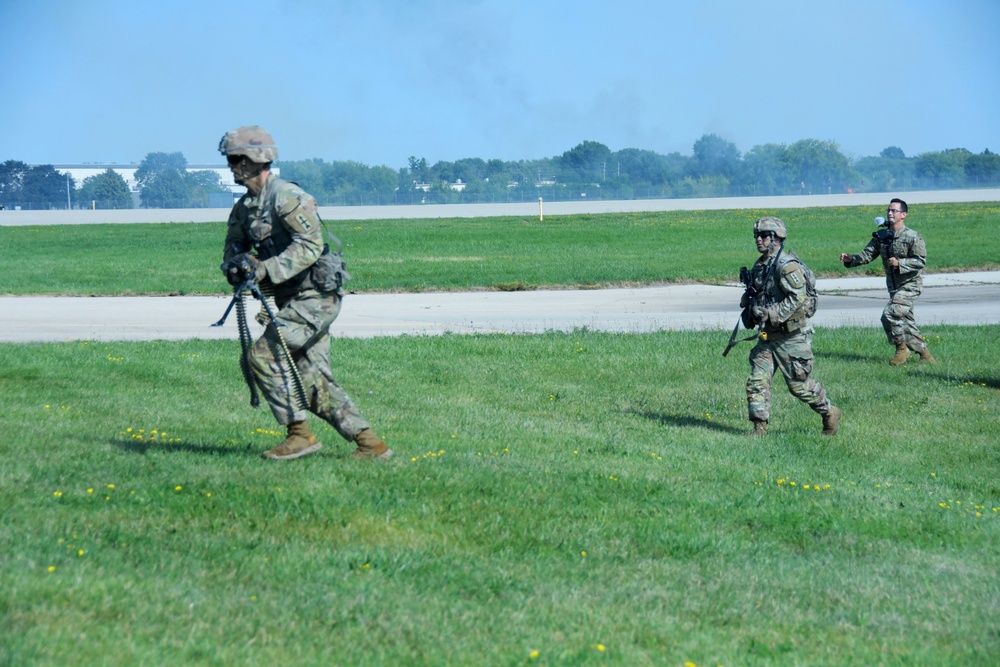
x=600 y=647
x=52 y=568
x=90 y=490
x=57 y=494
x=80 y=552
x=583 y=554
x=178 y=487
x=534 y=655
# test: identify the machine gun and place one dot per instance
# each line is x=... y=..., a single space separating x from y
x=245 y=274
x=247 y=283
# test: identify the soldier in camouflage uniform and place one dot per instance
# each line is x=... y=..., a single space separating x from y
x=276 y=227
x=904 y=256
x=776 y=300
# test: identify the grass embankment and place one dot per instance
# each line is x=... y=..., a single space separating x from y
x=489 y=253
x=566 y=499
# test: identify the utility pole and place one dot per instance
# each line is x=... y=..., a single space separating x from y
x=69 y=203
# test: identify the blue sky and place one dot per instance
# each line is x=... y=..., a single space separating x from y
x=376 y=81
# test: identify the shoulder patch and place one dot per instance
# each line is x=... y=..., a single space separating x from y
x=791 y=272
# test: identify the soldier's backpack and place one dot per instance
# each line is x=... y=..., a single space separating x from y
x=812 y=297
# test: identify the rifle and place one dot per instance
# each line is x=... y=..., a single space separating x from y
x=745 y=314
x=244 y=269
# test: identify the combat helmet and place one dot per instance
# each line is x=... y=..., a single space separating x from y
x=771 y=224
x=251 y=141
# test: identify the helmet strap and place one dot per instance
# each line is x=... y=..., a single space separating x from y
x=246 y=169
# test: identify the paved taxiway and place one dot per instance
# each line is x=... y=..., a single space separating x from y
x=952 y=298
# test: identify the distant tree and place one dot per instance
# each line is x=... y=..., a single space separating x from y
x=637 y=167
x=820 y=166
x=714 y=156
x=469 y=170
x=44 y=187
x=381 y=180
x=201 y=184
x=494 y=168
x=886 y=172
x=766 y=171
x=12 y=173
x=419 y=169
x=107 y=190
x=942 y=169
x=162 y=182
x=308 y=174
x=155 y=164
x=983 y=169
x=893 y=153
x=587 y=162
x=168 y=189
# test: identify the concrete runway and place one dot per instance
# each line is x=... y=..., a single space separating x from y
x=953 y=298
x=525 y=209
x=957 y=298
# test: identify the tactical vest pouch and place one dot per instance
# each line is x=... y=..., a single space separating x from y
x=791 y=326
x=749 y=321
x=329 y=273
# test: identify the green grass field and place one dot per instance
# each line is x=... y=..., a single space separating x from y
x=573 y=498
x=489 y=253
x=589 y=496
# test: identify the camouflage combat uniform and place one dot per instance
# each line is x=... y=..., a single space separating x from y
x=785 y=342
x=904 y=283
x=283 y=226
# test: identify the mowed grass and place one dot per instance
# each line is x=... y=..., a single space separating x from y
x=507 y=253
x=559 y=499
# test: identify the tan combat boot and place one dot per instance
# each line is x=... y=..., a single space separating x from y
x=831 y=420
x=370 y=446
x=925 y=355
x=902 y=354
x=759 y=428
x=300 y=441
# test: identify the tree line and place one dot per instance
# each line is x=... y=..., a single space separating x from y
x=716 y=168
x=163 y=181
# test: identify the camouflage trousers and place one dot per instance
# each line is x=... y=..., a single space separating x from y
x=792 y=355
x=897 y=319
x=307 y=318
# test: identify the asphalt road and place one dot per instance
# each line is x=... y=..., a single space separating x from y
x=954 y=298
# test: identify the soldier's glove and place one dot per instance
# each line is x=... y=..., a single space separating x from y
x=231 y=272
x=759 y=315
x=243 y=267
